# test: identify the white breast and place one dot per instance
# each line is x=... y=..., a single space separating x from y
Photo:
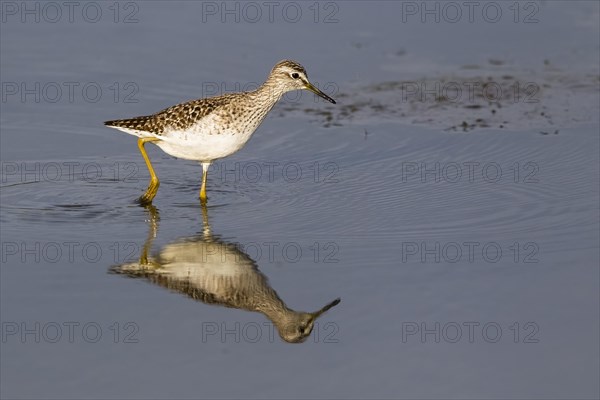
x=204 y=141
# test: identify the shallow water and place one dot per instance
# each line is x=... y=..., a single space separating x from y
x=461 y=234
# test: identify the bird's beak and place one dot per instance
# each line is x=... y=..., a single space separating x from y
x=317 y=314
x=312 y=88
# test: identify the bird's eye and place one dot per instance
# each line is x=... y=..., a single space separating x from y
x=295 y=75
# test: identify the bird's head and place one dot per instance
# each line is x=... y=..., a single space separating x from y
x=299 y=325
x=289 y=75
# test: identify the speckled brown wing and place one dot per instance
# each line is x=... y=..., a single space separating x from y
x=179 y=117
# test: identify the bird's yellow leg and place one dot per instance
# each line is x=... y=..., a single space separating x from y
x=203 y=197
x=147 y=197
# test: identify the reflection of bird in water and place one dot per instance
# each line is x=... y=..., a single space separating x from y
x=215 y=272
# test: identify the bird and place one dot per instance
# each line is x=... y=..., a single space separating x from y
x=213 y=271
x=211 y=128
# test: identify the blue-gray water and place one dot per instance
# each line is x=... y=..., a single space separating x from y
x=450 y=199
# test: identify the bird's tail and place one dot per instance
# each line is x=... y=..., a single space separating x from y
x=143 y=126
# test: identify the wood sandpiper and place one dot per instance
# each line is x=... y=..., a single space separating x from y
x=212 y=128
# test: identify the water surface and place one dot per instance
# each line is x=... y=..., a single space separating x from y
x=422 y=211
